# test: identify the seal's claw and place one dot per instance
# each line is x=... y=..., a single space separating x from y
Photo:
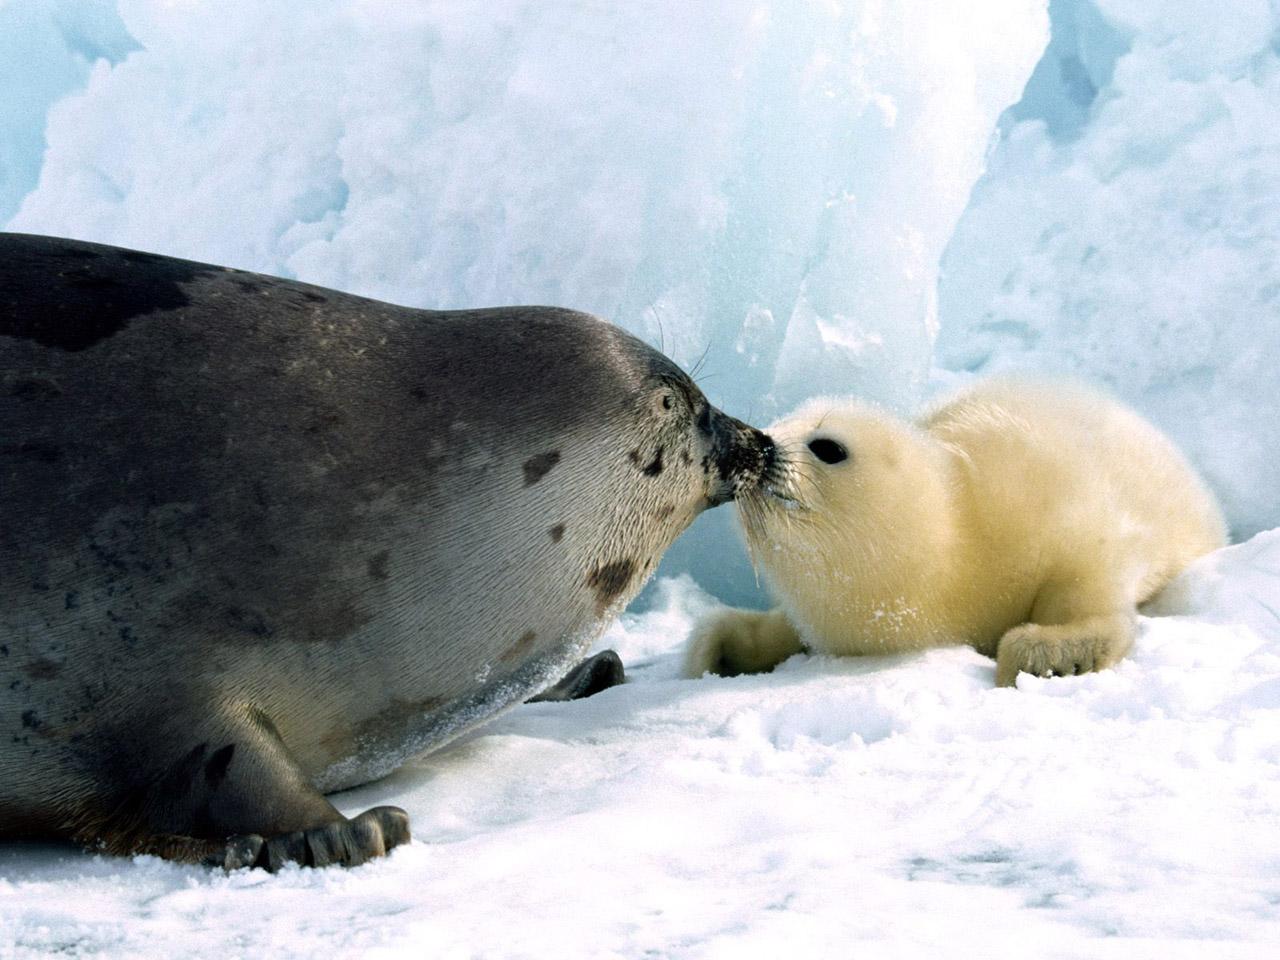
x=392 y=823
x=285 y=848
x=242 y=851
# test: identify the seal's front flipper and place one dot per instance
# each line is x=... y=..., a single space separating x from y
x=588 y=678
x=236 y=798
x=348 y=842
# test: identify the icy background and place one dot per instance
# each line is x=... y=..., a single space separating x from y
x=1128 y=230
x=768 y=184
x=882 y=197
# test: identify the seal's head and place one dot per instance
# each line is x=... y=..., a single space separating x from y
x=690 y=434
x=683 y=455
x=612 y=391
x=559 y=421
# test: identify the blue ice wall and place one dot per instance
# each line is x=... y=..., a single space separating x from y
x=1127 y=230
x=770 y=185
x=47 y=49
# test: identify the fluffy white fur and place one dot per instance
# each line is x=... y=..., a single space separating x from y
x=1027 y=519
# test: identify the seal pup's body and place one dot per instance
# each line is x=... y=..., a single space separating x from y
x=1028 y=519
x=263 y=540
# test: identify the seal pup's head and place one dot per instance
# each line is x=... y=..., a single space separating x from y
x=852 y=495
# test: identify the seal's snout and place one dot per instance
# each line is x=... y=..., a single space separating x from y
x=741 y=457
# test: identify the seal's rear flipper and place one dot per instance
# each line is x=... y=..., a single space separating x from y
x=588 y=678
x=236 y=798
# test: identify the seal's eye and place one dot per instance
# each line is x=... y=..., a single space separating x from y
x=667 y=401
x=828 y=451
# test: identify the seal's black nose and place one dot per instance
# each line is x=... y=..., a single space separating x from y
x=768 y=450
x=740 y=456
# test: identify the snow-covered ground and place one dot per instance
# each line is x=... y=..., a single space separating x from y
x=883 y=807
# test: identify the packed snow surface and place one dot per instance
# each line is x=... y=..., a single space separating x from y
x=835 y=808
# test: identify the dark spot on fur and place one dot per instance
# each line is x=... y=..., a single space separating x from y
x=72 y=600
x=634 y=457
x=312 y=297
x=42 y=669
x=338 y=743
x=662 y=513
x=557 y=532
x=378 y=565
x=685 y=457
x=247 y=286
x=248 y=621
x=30 y=721
x=655 y=465
x=72 y=308
x=33 y=450
x=4 y=650
x=215 y=769
x=610 y=580
x=322 y=420
x=34 y=388
x=535 y=468
x=419 y=393
x=520 y=649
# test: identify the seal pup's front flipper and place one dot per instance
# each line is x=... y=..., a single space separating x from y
x=1078 y=624
x=734 y=642
x=588 y=678
x=234 y=796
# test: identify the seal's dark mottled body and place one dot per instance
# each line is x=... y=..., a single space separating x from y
x=263 y=540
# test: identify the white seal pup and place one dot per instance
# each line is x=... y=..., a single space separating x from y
x=262 y=540
x=1027 y=519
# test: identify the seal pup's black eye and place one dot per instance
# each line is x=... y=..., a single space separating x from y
x=828 y=451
